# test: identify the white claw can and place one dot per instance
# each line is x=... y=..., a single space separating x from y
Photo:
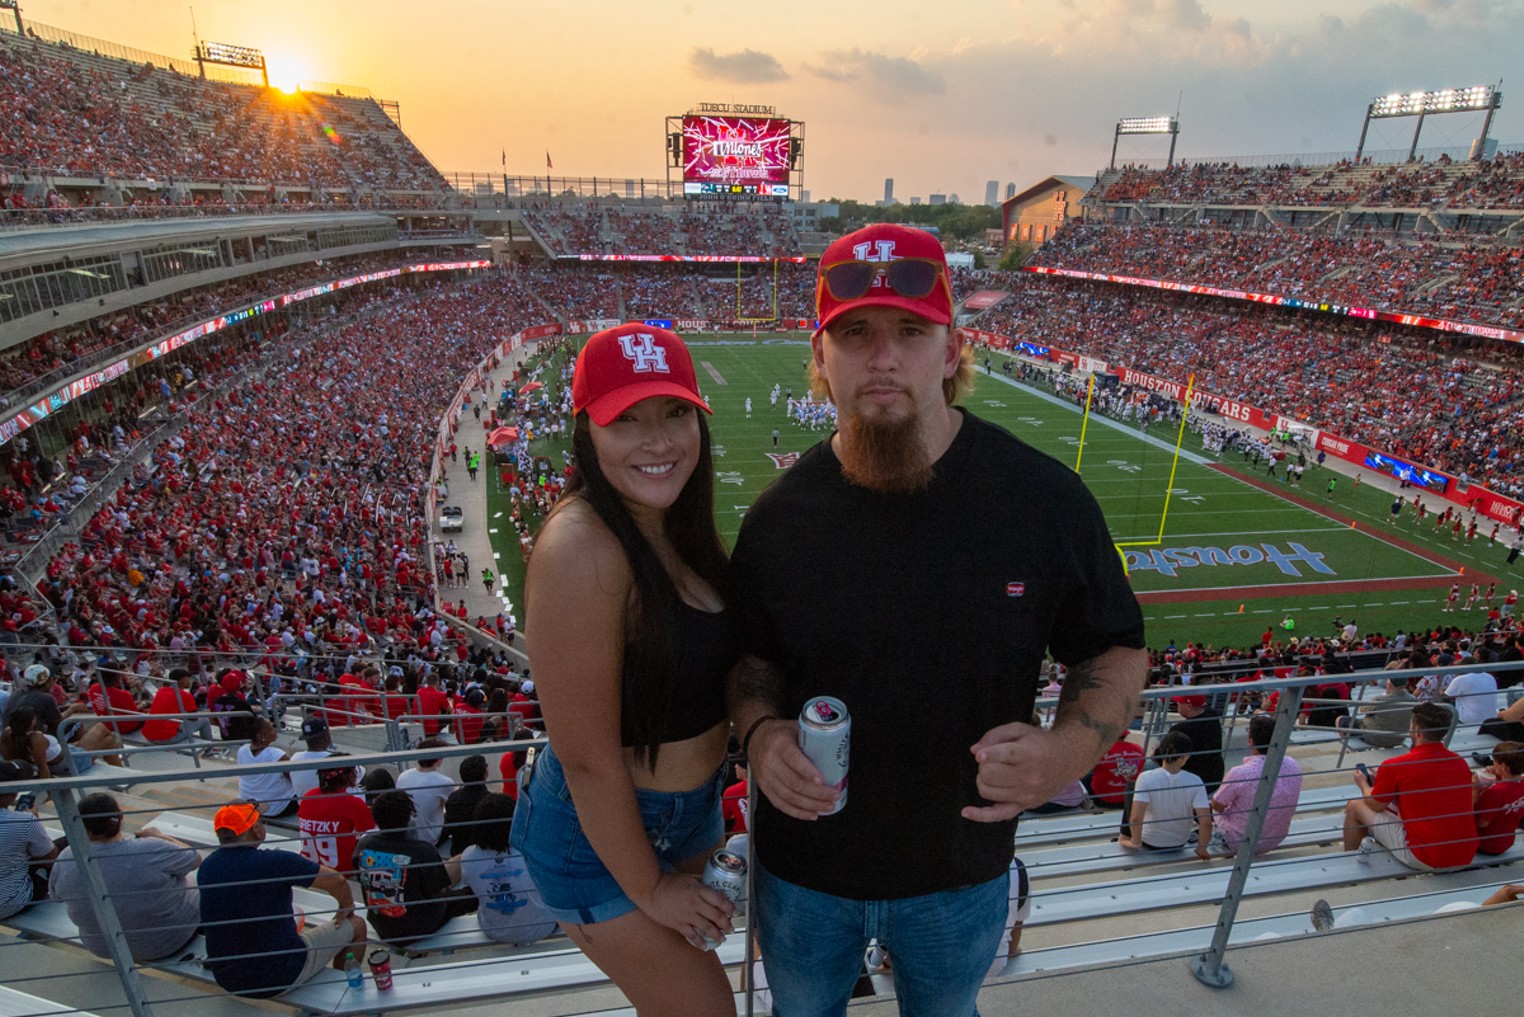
x=726 y=872
x=825 y=736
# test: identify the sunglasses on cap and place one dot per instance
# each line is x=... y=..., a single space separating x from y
x=907 y=277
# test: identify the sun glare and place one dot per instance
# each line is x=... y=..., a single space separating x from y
x=286 y=72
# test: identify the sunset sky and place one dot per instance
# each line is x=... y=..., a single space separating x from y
x=942 y=97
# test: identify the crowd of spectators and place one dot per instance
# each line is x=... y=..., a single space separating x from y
x=78 y=115
x=1496 y=183
x=1475 y=280
x=1441 y=399
x=719 y=229
x=288 y=510
x=58 y=352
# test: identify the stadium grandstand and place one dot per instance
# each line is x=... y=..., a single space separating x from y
x=252 y=343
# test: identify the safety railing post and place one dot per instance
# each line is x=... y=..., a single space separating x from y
x=1211 y=967
x=100 y=901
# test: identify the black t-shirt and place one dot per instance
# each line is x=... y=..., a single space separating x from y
x=928 y=615
x=403 y=881
x=459 y=816
x=1205 y=733
x=39 y=702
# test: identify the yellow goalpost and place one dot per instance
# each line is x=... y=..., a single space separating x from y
x=1173 y=466
x=740 y=314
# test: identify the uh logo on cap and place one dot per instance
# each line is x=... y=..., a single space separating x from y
x=643 y=353
x=875 y=250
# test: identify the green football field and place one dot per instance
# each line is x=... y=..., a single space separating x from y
x=1233 y=557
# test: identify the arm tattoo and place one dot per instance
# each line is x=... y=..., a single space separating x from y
x=1080 y=679
x=756 y=680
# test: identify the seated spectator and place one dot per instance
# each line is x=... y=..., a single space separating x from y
x=1117 y=768
x=428 y=786
x=1018 y=910
x=25 y=850
x=1509 y=723
x=148 y=879
x=1165 y=799
x=23 y=740
x=1383 y=722
x=1069 y=798
x=733 y=803
x=508 y=903
x=319 y=740
x=376 y=783
x=460 y=806
x=272 y=792
x=116 y=695
x=1203 y=726
x=1419 y=807
x=176 y=697
x=36 y=693
x=1476 y=699
x=1499 y=798
x=1234 y=801
x=331 y=817
x=432 y=705
x=1330 y=713
x=226 y=697
x=406 y=888
x=253 y=947
x=508 y=768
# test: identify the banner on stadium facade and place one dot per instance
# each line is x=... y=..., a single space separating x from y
x=43 y=408
x=993 y=340
x=1090 y=365
x=1367 y=313
x=534 y=332
x=984 y=299
x=722 y=259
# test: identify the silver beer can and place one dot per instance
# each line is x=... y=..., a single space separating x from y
x=825 y=736
x=726 y=872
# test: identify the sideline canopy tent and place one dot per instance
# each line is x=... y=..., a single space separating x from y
x=503 y=436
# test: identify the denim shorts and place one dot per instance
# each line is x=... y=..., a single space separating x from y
x=575 y=886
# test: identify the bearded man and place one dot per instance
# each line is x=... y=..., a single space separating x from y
x=926 y=535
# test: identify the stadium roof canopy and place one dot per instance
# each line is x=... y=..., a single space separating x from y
x=1081 y=184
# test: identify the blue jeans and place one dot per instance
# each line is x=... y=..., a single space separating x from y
x=941 y=945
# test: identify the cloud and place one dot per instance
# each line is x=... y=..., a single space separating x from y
x=748 y=67
x=893 y=79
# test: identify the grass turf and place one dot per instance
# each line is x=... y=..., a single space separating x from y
x=1233 y=557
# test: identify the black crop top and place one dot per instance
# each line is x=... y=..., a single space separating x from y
x=705 y=645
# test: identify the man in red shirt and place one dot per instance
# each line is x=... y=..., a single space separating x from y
x=108 y=698
x=733 y=804
x=1117 y=768
x=331 y=819
x=1500 y=799
x=1419 y=809
x=176 y=697
x=432 y=704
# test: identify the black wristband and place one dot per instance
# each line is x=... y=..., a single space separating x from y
x=746 y=741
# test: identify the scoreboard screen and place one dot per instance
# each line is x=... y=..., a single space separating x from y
x=730 y=155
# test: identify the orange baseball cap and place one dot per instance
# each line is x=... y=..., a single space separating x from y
x=239 y=817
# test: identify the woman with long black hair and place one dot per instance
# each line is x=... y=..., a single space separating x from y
x=625 y=602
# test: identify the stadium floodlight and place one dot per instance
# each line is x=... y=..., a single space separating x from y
x=1146 y=125
x=229 y=55
x=14 y=6
x=1476 y=98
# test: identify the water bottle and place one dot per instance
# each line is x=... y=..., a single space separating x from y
x=352 y=973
